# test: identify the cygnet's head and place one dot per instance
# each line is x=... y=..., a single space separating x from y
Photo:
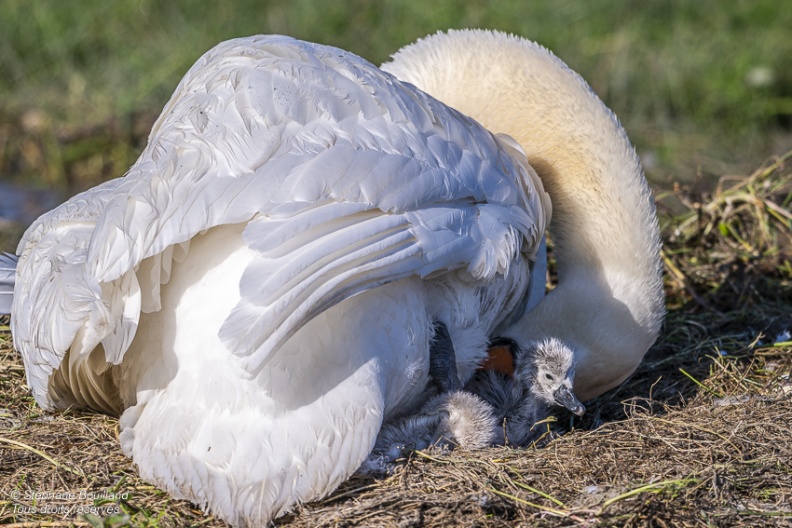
x=548 y=367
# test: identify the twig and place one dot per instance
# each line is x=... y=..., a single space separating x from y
x=555 y=511
x=36 y=524
x=656 y=487
x=42 y=454
x=533 y=490
x=697 y=382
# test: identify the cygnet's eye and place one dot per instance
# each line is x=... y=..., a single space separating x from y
x=548 y=377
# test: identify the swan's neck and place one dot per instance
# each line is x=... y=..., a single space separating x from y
x=609 y=300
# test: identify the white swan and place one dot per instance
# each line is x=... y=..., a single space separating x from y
x=258 y=293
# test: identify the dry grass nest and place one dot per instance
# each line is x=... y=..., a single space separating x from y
x=700 y=436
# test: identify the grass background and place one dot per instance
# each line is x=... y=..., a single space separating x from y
x=699 y=437
x=704 y=88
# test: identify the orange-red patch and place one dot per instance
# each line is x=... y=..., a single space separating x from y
x=499 y=359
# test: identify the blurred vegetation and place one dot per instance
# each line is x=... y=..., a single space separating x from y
x=704 y=88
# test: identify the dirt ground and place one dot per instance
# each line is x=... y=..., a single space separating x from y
x=700 y=436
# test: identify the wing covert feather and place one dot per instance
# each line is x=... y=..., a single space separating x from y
x=348 y=178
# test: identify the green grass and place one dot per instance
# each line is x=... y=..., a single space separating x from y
x=703 y=87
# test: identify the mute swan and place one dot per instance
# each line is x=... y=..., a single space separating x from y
x=259 y=291
x=543 y=377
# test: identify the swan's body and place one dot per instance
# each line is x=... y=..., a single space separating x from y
x=258 y=293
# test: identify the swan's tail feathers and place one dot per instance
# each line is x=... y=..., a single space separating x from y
x=70 y=329
x=8 y=265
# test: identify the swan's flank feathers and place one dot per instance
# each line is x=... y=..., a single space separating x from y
x=314 y=259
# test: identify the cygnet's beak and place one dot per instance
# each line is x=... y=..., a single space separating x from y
x=564 y=397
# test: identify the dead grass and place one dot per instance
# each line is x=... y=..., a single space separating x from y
x=700 y=436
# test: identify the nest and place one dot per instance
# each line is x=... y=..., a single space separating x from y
x=699 y=436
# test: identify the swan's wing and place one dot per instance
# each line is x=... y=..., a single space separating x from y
x=307 y=138
x=319 y=257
